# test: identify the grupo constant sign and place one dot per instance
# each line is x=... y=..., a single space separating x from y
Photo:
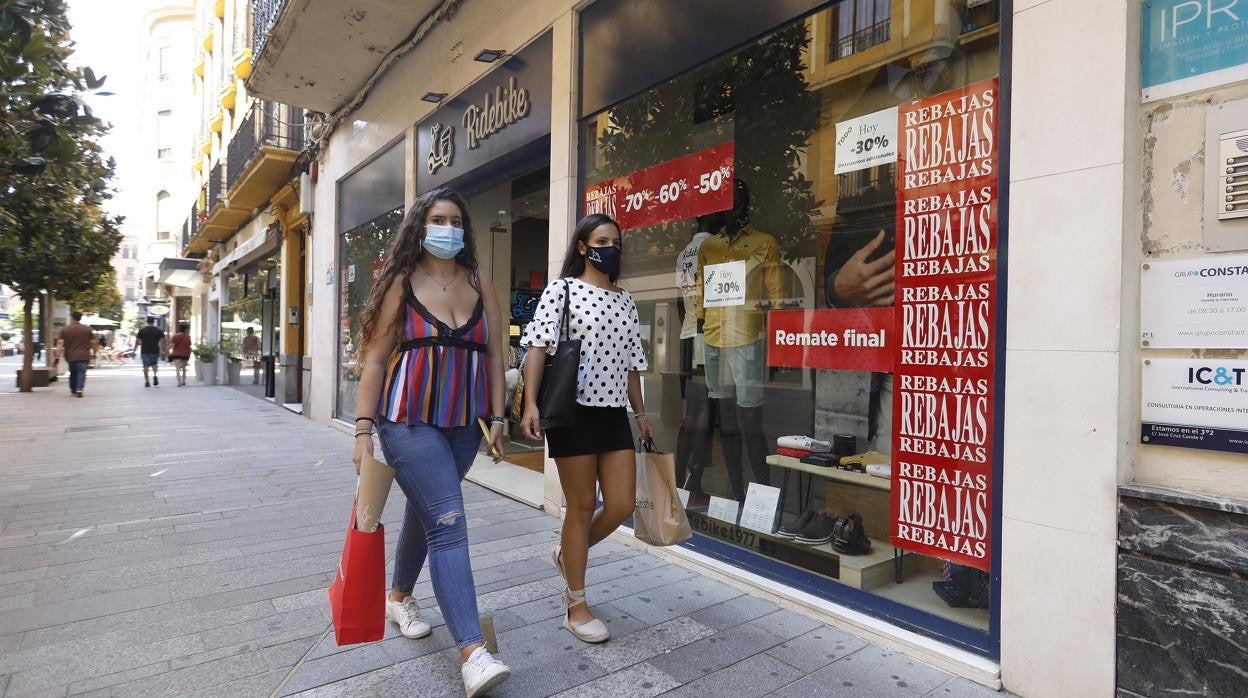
x=506 y=109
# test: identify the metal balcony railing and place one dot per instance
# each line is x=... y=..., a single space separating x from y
x=216 y=185
x=861 y=40
x=266 y=124
x=264 y=14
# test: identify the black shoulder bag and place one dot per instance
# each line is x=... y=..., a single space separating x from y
x=556 y=400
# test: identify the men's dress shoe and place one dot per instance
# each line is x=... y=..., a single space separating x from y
x=848 y=535
x=794 y=527
x=817 y=532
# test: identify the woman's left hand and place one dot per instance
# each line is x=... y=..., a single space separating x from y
x=497 y=440
x=646 y=429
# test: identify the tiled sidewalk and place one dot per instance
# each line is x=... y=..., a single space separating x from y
x=178 y=542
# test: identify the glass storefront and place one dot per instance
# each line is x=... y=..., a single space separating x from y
x=768 y=281
x=250 y=325
x=370 y=212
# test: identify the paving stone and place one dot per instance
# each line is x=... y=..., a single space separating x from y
x=638 y=681
x=734 y=611
x=431 y=676
x=816 y=649
x=637 y=647
x=962 y=688
x=869 y=673
x=351 y=662
x=545 y=679
x=759 y=675
x=710 y=654
x=786 y=624
x=666 y=602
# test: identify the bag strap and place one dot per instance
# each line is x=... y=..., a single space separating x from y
x=563 y=326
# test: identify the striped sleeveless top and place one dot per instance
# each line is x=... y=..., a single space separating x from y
x=439 y=375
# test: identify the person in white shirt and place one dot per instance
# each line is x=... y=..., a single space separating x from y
x=597 y=450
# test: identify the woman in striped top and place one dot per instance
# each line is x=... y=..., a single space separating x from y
x=430 y=367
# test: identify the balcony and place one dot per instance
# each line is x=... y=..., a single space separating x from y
x=262 y=153
x=289 y=41
x=222 y=216
x=861 y=40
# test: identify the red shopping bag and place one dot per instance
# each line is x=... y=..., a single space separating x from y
x=357 y=598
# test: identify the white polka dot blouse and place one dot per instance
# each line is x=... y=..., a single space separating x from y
x=606 y=322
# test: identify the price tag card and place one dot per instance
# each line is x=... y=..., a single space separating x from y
x=761 y=503
x=723 y=284
x=866 y=141
x=723 y=509
x=684 y=497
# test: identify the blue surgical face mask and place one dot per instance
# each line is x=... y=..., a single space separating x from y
x=444 y=241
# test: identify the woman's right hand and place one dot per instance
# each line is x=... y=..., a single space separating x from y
x=363 y=444
x=531 y=423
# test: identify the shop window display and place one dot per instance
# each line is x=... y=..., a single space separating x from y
x=362 y=251
x=808 y=191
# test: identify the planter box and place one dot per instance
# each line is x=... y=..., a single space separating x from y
x=234 y=369
x=41 y=377
x=206 y=372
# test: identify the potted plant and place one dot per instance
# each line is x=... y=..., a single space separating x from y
x=206 y=354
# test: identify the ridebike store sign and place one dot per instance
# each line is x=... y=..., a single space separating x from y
x=505 y=110
x=1195 y=403
x=1192 y=45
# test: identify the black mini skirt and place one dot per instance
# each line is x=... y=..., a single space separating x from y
x=597 y=430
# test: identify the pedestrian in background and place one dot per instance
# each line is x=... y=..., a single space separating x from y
x=151 y=340
x=430 y=368
x=180 y=351
x=75 y=344
x=251 y=352
x=597 y=451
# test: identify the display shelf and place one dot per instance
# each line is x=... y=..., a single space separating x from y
x=866 y=572
x=836 y=474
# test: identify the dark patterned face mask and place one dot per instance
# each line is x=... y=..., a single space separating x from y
x=605 y=259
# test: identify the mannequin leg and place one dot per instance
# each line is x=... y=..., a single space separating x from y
x=730 y=444
x=751 y=421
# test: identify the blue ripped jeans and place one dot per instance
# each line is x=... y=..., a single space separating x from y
x=429 y=462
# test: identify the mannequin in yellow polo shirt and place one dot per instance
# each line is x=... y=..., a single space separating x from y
x=736 y=352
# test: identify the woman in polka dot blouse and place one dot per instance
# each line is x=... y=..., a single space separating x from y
x=597 y=451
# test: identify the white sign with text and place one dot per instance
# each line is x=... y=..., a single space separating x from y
x=866 y=141
x=723 y=284
x=725 y=510
x=761 y=503
x=1194 y=303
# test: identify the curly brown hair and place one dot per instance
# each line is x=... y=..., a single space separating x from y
x=403 y=256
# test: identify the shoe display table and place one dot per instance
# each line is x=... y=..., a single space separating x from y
x=859 y=571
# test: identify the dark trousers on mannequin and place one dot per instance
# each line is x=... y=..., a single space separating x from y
x=740 y=426
x=693 y=441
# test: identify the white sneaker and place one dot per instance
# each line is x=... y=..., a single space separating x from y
x=804 y=443
x=482 y=672
x=406 y=615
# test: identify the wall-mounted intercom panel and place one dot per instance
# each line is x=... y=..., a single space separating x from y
x=1226 y=177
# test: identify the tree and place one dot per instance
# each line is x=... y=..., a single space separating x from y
x=102 y=298
x=54 y=237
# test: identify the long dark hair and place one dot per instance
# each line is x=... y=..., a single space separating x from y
x=574 y=261
x=406 y=251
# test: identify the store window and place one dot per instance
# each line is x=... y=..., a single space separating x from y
x=370 y=210
x=810 y=236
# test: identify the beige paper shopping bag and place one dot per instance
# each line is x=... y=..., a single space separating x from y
x=659 y=518
x=372 y=489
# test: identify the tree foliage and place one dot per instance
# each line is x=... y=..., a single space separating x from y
x=759 y=98
x=54 y=178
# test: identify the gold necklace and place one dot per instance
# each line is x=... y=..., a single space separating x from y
x=439 y=283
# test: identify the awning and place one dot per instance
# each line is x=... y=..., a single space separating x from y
x=180 y=271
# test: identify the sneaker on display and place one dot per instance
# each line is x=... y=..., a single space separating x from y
x=884 y=470
x=859 y=462
x=804 y=443
x=794 y=527
x=817 y=532
x=848 y=535
x=406 y=615
x=482 y=672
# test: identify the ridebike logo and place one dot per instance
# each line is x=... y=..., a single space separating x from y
x=1219 y=375
x=1236 y=270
